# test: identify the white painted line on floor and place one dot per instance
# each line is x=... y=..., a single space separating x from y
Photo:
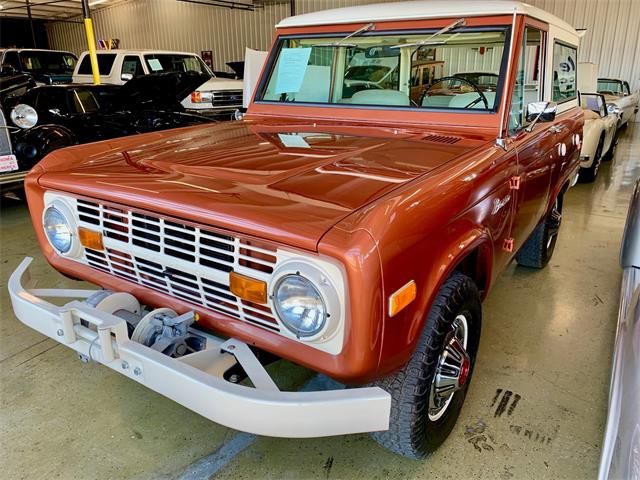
x=208 y=466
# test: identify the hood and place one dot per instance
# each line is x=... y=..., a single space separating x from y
x=159 y=90
x=287 y=183
x=216 y=84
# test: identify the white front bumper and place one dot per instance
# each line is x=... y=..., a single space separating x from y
x=195 y=381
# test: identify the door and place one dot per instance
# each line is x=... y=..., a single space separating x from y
x=536 y=149
x=626 y=102
x=131 y=67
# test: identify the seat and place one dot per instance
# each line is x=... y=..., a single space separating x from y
x=381 y=97
x=436 y=101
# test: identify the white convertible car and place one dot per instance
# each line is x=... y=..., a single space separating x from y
x=599 y=135
x=618 y=93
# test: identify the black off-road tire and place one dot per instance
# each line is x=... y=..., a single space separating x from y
x=588 y=175
x=538 y=249
x=412 y=433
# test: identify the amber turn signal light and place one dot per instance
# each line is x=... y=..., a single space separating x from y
x=90 y=239
x=402 y=297
x=248 y=288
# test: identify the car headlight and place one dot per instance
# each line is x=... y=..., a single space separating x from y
x=613 y=108
x=57 y=229
x=24 y=116
x=201 y=97
x=300 y=305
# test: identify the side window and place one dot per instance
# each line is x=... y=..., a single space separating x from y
x=132 y=64
x=528 y=87
x=105 y=62
x=626 y=89
x=11 y=58
x=564 y=72
x=52 y=98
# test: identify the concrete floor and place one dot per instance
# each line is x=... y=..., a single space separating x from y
x=547 y=340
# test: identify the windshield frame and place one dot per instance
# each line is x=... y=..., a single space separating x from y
x=281 y=39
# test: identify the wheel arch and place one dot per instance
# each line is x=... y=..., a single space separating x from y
x=471 y=252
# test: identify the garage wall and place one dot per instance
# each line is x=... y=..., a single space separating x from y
x=173 y=25
x=612 y=40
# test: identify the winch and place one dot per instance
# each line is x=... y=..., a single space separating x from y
x=161 y=329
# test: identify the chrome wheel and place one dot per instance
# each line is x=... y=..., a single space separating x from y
x=452 y=370
x=553 y=223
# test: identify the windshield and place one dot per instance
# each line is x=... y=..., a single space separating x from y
x=375 y=69
x=368 y=73
x=484 y=80
x=174 y=62
x=613 y=87
x=44 y=61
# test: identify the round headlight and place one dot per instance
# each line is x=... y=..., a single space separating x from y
x=24 y=116
x=57 y=228
x=300 y=306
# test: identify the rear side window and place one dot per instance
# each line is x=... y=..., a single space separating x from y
x=564 y=72
x=105 y=62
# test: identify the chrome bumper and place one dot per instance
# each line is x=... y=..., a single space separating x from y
x=195 y=380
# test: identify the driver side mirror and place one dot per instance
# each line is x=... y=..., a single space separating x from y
x=541 y=111
x=125 y=77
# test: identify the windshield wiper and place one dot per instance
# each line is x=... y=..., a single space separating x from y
x=429 y=40
x=341 y=43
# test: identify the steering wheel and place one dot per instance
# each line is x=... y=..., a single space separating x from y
x=481 y=96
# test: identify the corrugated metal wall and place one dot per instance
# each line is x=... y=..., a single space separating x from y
x=173 y=25
x=612 y=40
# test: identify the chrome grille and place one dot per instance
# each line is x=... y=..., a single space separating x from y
x=181 y=260
x=227 y=98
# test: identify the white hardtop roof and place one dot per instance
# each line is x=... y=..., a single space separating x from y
x=422 y=9
x=131 y=51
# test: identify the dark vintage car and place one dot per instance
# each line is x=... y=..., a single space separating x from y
x=47 y=67
x=56 y=116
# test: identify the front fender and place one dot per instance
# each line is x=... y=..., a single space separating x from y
x=445 y=252
x=33 y=144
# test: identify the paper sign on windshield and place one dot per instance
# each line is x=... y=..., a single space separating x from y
x=155 y=64
x=292 y=66
x=8 y=163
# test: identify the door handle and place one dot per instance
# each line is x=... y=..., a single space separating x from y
x=556 y=128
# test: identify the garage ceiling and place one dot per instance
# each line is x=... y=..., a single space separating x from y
x=50 y=9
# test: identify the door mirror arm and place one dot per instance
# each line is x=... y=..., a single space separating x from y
x=540 y=112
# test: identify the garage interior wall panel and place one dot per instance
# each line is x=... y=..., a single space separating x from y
x=612 y=40
x=173 y=25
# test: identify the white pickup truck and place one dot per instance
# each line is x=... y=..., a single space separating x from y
x=217 y=97
x=618 y=92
